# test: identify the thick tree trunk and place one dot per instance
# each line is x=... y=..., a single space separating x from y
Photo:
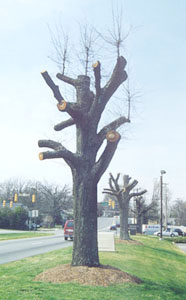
x=124 y=235
x=139 y=222
x=85 y=248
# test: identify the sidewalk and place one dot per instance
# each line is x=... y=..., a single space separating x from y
x=181 y=246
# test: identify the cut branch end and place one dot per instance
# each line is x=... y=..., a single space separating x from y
x=112 y=136
x=95 y=65
x=62 y=105
x=41 y=156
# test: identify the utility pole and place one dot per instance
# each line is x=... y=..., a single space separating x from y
x=161 y=202
x=166 y=207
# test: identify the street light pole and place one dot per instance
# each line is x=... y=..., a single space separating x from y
x=161 y=201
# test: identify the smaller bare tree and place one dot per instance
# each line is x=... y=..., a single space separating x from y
x=123 y=194
x=141 y=210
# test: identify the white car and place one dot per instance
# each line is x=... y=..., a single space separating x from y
x=168 y=232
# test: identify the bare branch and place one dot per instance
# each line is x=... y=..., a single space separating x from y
x=116 y=187
x=147 y=208
x=88 y=41
x=119 y=75
x=132 y=185
x=116 y=36
x=105 y=191
x=103 y=162
x=60 y=152
x=97 y=75
x=66 y=79
x=60 y=42
x=51 y=84
x=112 y=126
x=49 y=144
x=117 y=178
x=137 y=194
x=110 y=184
x=64 y=124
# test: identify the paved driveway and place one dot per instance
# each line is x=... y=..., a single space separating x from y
x=181 y=246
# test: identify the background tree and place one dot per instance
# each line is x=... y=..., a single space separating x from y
x=141 y=210
x=9 y=187
x=155 y=212
x=53 y=200
x=178 y=211
x=152 y=215
x=123 y=194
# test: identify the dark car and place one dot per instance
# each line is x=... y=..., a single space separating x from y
x=113 y=227
x=179 y=231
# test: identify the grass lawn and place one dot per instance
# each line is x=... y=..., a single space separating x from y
x=21 y=235
x=160 y=265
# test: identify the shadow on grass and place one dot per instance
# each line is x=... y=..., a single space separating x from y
x=172 y=255
x=177 y=290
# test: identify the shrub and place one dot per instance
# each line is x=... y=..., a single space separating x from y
x=13 y=219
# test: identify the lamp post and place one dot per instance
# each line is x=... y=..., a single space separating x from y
x=161 y=201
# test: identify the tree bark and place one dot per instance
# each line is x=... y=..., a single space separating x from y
x=139 y=222
x=85 y=246
x=124 y=209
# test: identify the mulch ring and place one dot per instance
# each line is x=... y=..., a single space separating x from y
x=104 y=275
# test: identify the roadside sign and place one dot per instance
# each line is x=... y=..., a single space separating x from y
x=33 y=213
x=30 y=214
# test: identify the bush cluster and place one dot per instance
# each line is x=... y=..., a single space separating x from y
x=13 y=219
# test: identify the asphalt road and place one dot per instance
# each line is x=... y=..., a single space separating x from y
x=13 y=250
x=17 y=249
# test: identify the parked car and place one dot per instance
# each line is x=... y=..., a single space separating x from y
x=179 y=231
x=114 y=226
x=69 y=230
x=34 y=226
x=168 y=232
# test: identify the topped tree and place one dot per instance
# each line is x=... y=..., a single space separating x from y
x=123 y=194
x=85 y=114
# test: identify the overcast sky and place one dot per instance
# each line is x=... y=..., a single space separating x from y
x=156 y=54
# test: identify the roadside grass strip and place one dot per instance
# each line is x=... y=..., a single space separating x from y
x=159 y=264
x=22 y=235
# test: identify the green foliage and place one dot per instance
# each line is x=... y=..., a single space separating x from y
x=159 y=264
x=6 y=216
x=13 y=219
x=179 y=239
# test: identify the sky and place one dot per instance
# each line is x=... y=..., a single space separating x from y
x=155 y=50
